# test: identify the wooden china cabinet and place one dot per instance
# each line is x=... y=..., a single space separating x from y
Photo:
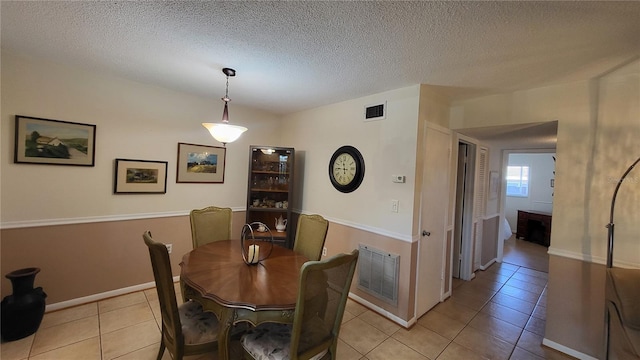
x=270 y=190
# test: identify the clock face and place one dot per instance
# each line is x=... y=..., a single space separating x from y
x=346 y=169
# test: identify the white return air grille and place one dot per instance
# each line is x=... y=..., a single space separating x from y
x=378 y=273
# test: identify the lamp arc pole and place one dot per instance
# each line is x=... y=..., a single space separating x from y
x=610 y=225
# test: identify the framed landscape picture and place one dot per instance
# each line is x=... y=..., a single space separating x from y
x=200 y=163
x=140 y=177
x=54 y=142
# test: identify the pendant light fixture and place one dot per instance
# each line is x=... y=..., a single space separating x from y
x=223 y=131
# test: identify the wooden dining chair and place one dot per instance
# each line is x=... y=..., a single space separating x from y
x=322 y=297
x=186 y=329
x=210 y=224
x=311 y=233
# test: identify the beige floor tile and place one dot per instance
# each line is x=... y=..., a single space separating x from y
x=146 y=353
x=121 y=301
x=65 y=334
x=347 y=316
x=151 y=294
x=507 y=314
x=531 y=272
x=346 y=352
x=520 y=294
x=536 y=326
x=533 y=343
x=361 y=336
x=379 y=322
x=17 y=349
x=422 y=340
x=83 y=350
x=455 y=311
x=530 y=279
x=492 y=276
x=488 y=284
x=468 y=300
x=129 y=339
x=457 y=282
x=126 y=316
x=514 y=303
x=155 y=309
x=459 y=352
x=441 y=324
x=540 y=312
x=525 y=285
x=355 y=308
x=504 y=271
x=393 y=349
x=65 y=315
x=484 y=344
x=496 y=327
x=521 y=354
x=476 y=290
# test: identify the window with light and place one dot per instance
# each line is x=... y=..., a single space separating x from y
x=518 y=181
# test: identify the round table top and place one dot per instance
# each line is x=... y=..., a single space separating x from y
x=217 y=271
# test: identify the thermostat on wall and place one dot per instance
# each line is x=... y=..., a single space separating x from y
x=398 y=178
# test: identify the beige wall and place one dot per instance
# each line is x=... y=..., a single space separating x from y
x=133 y=121
x=82 y=260
x=598 y=132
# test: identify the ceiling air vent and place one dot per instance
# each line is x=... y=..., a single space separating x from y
x=375 y=112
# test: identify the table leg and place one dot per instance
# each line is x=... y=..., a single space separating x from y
x=226 y=322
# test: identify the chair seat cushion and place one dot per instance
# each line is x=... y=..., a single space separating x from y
x=271 y=341
x=198 y=326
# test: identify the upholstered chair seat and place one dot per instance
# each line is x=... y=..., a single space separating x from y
x=198 y=326
x=322 y=296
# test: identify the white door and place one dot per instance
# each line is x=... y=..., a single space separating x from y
x=433 y=219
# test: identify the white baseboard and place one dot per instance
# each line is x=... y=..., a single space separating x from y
x=567 y=350
x=101 y=296
x=383 y=312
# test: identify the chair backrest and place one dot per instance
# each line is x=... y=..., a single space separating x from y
x=310 y=236
x=322 y=297
x=171 y=326
x=210 y=224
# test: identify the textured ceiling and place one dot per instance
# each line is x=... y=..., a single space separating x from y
x=292 y=56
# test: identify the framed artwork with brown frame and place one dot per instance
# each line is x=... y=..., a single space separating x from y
x=140 y=177
x=200 y=163
x=54 y=142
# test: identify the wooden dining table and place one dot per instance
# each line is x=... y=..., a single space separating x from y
x=216 y=276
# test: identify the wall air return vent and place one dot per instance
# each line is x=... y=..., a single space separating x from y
x=378 y=273
x=375 y=112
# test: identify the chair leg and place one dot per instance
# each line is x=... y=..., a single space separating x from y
x=161 y=351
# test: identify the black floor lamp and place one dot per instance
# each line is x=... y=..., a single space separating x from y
x=610 y=227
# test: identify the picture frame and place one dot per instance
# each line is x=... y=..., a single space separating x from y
x=200 y=163
x=494 y=184
x=140 y=177
x=53 y=142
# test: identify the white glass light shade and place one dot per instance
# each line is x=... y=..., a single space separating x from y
x=224 y=132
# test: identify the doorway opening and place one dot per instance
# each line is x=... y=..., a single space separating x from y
x=462 y=254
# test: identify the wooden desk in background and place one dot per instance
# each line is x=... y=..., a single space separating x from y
x=534 y=226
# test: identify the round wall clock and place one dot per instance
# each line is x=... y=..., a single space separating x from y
x=346 y=169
